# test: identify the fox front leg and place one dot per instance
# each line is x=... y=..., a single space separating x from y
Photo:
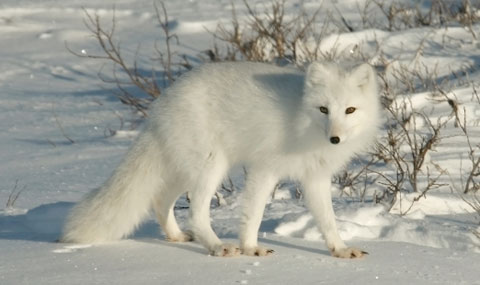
x=259 y=186
x=319 y=202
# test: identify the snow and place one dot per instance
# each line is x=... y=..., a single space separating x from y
x=44 y=89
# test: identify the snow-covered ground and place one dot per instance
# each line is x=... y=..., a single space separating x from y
x=49 y=97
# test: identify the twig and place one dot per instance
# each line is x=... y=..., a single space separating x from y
x=59 y=125
x=14 y=194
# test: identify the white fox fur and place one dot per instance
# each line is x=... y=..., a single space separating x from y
x=265 y=117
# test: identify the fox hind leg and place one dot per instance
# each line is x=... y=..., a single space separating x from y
x=163 y=206
x=209 y=178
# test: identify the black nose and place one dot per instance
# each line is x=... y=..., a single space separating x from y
x=334 y=140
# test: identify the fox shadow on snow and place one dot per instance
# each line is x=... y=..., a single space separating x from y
x=45 y=222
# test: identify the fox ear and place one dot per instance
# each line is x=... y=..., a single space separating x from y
x=364 y=75
x=317 y=74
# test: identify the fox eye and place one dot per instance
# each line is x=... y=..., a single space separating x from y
x=323 y=110
x=350 y=110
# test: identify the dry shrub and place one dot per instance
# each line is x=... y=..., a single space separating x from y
x=13 y=197
x=271 y=35
x=470 y=185
x=399 y=15
x=125 y=75
x=407 y=148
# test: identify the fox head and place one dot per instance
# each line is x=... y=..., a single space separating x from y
x=342 y=103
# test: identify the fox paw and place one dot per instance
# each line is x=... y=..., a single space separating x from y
x=257 y=251
x=348 y=252
x=182 y=237
x=226 y=250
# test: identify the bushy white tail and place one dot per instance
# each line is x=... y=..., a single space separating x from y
x=117 y=208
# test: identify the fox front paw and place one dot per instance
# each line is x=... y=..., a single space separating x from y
x=348 y=252
x=226 y=250
x=257 y=251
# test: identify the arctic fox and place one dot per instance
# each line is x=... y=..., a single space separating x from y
x=279 y=122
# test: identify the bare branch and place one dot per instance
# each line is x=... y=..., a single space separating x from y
x=14 y=194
